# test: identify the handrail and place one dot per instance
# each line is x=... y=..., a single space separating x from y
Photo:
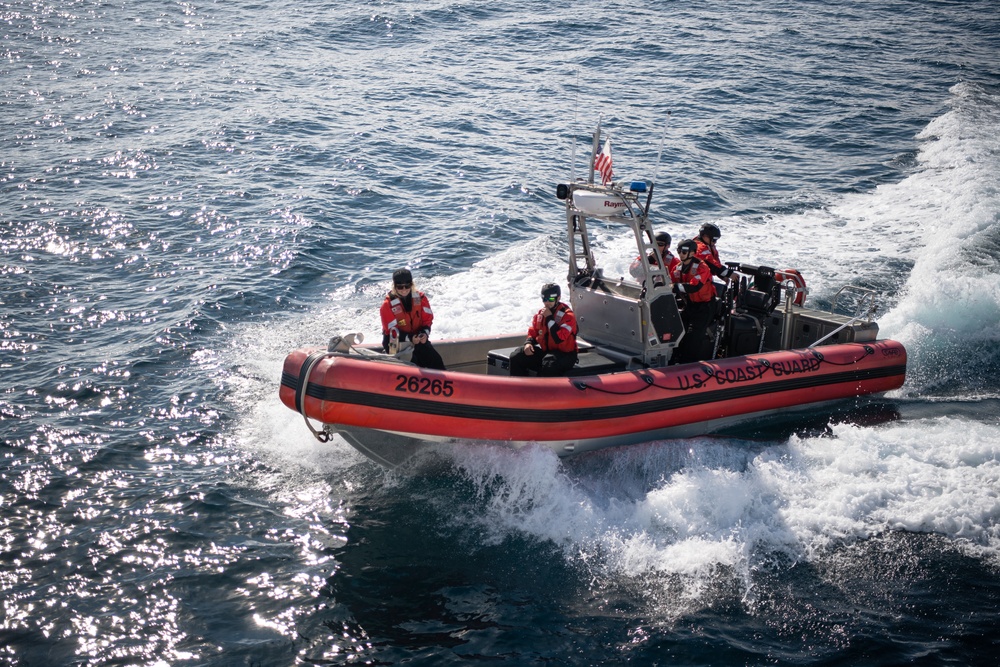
x=836 y=331
x=865 y=294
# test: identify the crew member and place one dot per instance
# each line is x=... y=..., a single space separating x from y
x=693 y=284
x=708 y=254
x=550 y=349
x=406 y=315
x=667 y=258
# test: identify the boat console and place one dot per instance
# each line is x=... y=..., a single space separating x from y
x=638 y=318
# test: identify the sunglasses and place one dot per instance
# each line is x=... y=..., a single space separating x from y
x=661 y=244
x=550 y=298
x=404 y=285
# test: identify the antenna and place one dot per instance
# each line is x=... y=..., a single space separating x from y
x=572 y=140
x=663 y=135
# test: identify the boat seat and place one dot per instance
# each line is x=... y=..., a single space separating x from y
x=757 y=302
x=592 y=362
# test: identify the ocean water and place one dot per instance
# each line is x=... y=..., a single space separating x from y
x=188 y=191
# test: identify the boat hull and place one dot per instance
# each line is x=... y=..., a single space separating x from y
x=364 y=397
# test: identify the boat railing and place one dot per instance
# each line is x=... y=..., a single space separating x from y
x=864 y=309
x=863 y=299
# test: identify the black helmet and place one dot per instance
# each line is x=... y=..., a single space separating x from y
x=710 y=230
x=664 y=238
x=549 y=290
x=402 y=277
x=690 y=245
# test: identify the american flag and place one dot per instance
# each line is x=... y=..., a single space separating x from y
x=602 y=163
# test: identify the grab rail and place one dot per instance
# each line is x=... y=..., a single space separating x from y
x=864 y=295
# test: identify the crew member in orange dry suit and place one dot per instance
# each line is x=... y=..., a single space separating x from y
x=693 y=284
x=667 y=258
x=708 y=254
x=550 y=349
x=407 y=315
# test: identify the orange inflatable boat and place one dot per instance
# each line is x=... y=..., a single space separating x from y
x=769 y=353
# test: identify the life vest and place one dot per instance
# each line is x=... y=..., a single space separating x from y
x=565 y=321
x=669 y=259
x=707 y=254
x=701 y=274
x=406 y=321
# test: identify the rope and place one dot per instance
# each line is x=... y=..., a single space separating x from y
x=300 y=394
x=648 y=380
x=710 y=373
x=334 y=349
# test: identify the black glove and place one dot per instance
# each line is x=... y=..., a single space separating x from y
x=679 y=288
x=553 y=330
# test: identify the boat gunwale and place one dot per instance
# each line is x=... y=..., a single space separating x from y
x=530 y=389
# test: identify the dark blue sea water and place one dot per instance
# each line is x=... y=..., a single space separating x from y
x=188 y=191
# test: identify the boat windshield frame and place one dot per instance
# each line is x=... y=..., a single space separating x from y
x=634 y=316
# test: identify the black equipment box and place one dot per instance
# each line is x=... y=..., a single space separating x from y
x=590 y=362
x=744 y=335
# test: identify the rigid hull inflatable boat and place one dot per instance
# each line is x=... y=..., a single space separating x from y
x=771 y=353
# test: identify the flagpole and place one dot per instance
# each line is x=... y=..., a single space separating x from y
x=593 y=149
